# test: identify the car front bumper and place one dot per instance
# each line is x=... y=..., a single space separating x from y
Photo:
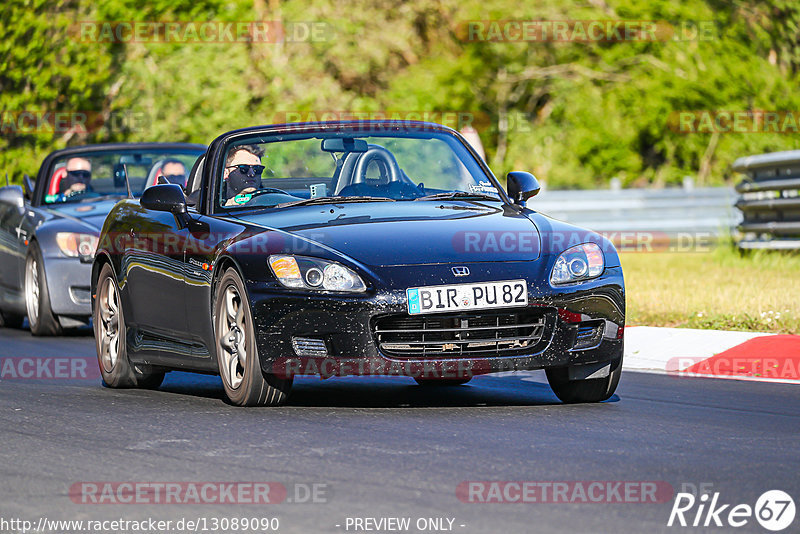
x=346 y=325
x=68 y=282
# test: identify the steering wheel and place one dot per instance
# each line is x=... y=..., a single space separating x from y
x=386 y=163
x=244 y=198
x=63 y=197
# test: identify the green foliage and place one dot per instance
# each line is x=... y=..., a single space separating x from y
x=574 y=113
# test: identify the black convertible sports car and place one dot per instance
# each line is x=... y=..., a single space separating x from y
x=352 y=248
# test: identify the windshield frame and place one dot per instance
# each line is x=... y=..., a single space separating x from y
x=48 y=165
x=287 y=132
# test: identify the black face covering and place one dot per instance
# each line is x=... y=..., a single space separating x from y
x=238 y=181
x=72 y=178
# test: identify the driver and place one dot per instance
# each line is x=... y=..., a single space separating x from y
x=78 y=178
x=242 y=174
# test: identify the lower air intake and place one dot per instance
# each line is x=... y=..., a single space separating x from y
x=307 y=346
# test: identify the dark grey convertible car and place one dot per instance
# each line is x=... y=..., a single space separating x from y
x=49 y=228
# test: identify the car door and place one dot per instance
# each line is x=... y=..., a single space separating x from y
x=206 y=233
x=154 y=273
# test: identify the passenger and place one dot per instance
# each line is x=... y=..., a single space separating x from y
x=242 y=174
x=78 y=178
x=174 y=172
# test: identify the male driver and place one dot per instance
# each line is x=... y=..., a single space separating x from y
x=78 y=178
x=242 y=172
x=174 y=172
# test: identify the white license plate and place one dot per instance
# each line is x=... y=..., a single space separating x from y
x=460 y=297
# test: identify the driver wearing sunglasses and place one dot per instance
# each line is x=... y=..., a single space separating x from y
x=242 y=174
x=78 y=178
x=174 y=172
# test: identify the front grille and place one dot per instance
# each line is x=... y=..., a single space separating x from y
x=462 y=335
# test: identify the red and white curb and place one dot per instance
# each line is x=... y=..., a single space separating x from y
x=685 y=352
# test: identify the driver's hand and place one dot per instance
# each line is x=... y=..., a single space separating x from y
x=232 y=201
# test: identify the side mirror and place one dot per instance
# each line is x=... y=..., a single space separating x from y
x=12 y=194
x=27 y=185
x=167 y=197
x=522 y=186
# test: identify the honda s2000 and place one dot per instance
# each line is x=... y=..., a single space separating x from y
x=352 y=248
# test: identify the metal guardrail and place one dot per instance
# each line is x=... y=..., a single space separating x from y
x=770 y=200
x=669 y=212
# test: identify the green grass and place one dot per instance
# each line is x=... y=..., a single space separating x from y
x=720 y=289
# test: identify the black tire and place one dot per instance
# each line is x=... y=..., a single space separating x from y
x=11 y=320
x=37 y=297
x=147 y=379
x=442 y=381
x=109 y=335
x=244 y=382
x=578 y=391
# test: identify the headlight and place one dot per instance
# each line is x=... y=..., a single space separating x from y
x=581 y=262
x=312 y=273
x=74 y=245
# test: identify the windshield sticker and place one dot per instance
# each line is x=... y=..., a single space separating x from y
x=318 y=190
x=483 y=187
x=242 y=199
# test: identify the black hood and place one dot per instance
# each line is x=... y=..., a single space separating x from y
x=411 y=233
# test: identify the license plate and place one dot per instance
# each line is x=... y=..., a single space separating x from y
x=460 y=297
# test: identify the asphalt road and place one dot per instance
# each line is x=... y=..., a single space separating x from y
x=384 y=447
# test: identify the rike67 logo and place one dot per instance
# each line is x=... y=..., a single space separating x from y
x=774 y=510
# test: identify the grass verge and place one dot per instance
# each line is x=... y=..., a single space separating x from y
x=720 y=289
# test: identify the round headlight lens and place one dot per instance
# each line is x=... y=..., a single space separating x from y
x=578 y=267
x=577 y=263
x=314 y=277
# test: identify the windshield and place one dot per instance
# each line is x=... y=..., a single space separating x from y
x=307 y=168
x=95 y=175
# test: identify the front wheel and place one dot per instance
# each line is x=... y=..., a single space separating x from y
x=109 y=334
x=237 y=356
x=37 y=296
x=586 y=390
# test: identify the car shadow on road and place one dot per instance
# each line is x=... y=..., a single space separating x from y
x=397 y=392
x=384 y=392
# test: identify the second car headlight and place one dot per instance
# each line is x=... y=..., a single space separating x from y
x=301 y=272
x=580 y=262
x=75 y=245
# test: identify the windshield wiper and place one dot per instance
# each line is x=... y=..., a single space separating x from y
x=459 y=195
x=332 y=200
